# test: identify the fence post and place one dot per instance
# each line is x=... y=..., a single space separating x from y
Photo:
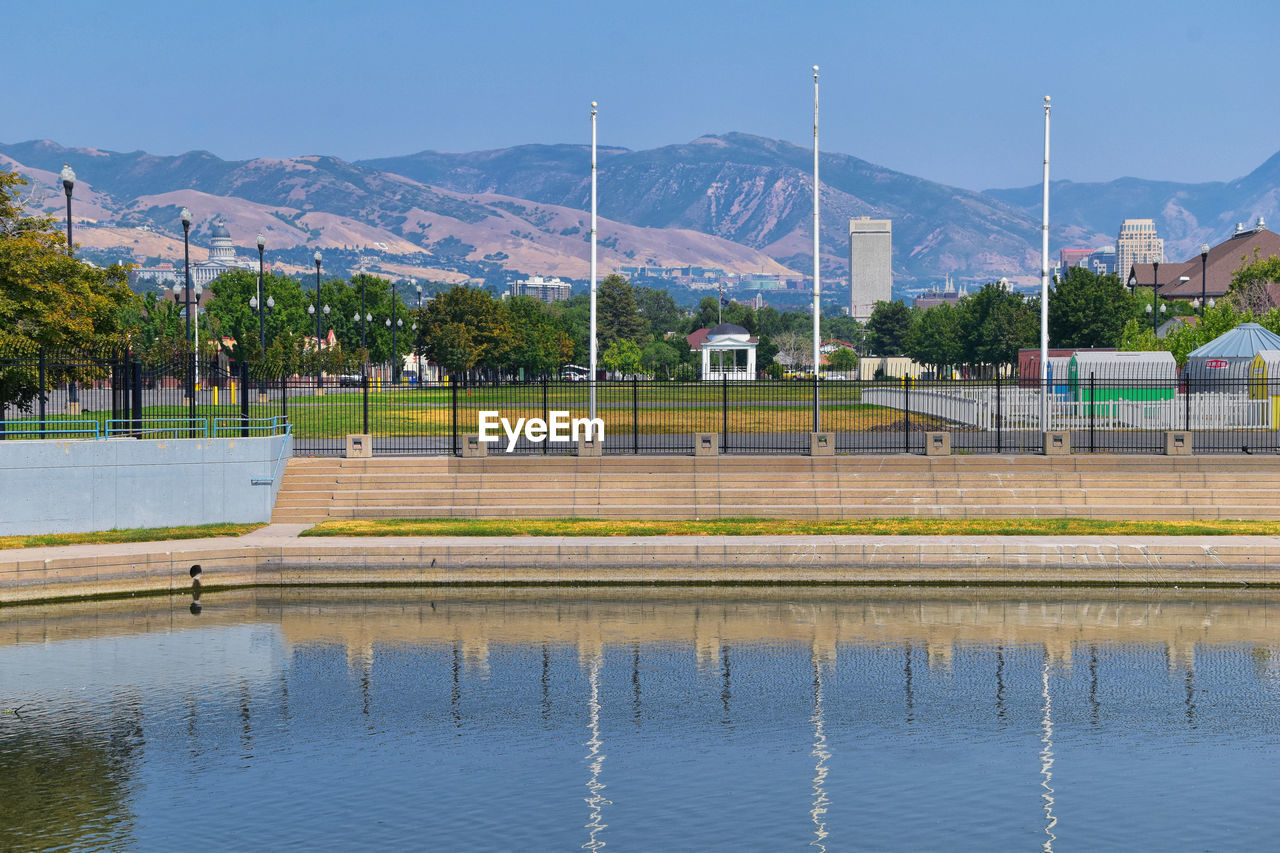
x=135 y=389
x=1186 y=398
x=1092 y=408
x=906 y=414
x=191 y=393
x=284 y=398
x=816 y=415
x=244 y=399
x=41 y=396
x=453 y=387
x=999 y=426
x=635 y=415
x=724 y=413
x=364 y=391
x=546 y=415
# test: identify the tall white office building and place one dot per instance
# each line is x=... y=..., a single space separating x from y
x=870 y=265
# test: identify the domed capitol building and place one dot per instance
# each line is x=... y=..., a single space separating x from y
x=222 y=257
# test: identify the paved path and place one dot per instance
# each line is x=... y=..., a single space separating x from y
x=277 y=555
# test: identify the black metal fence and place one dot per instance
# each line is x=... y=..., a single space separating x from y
x=84 y=397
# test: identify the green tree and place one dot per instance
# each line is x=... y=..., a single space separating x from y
x=537 y=344
x=937 y=337
x=622 y=356
x=997 y=323
x=842 y=360
x=660 y=359
x=658 y=309
x=50 y=300
x=617 y=314
x=842 y=328
x=887 y=328
x=462 y=329
x=1253 y=284
x=1088 y=310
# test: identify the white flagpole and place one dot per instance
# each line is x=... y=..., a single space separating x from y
x=817 y=287
x=593 y=259
x=1044 y=284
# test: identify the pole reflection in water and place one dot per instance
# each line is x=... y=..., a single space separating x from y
x=595 y=758
x=1000 y=682
x=907 y=687
x=1046 y=758
x=256 y=705
x=820 y=752
x=635 y=684
x=725 y=693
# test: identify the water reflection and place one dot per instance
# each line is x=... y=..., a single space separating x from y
x=820 y=754
x=1046 y=759
x=595 y=761
x=734 y=719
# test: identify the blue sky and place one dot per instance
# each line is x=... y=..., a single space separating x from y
x=947 y=91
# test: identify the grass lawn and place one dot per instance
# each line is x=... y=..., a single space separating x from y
x=785 y=527
x=337 y=415
x=142 y=534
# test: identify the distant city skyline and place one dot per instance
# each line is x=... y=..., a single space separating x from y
x=950 y=93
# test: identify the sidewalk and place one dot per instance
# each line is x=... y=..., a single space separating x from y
x=276 y=555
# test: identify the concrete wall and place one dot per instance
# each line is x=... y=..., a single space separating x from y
x=78 y=486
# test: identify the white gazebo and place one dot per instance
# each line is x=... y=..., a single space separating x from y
x=728 y=352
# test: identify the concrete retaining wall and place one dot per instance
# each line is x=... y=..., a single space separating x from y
x=261 y=559
x=81 y=486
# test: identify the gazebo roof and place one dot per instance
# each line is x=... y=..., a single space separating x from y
x=726 y=329
x=1244 y=341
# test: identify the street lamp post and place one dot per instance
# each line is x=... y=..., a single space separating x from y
x=1204 y=263
x=263 y=310
x=398 y=324
x=417 y=357
x=315 y=309
x=1155 y=299
x=186 y=263
x=68 y=176
x=68 y=184
x=1156 y=315
x=262 y=326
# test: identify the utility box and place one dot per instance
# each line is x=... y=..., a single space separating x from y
x=359 y=447
x=1057 y=443
x=822 y=444
x=1177 y=442
x=706 y=444
x=590 y=446
x=937 y=444
x=473 y=447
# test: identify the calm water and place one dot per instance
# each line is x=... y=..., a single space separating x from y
x=785 y=719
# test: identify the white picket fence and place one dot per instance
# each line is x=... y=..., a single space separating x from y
x=1019 y=408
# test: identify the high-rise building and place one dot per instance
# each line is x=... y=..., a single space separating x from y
x=870 y=264
x=1137 y=244
x=545 y=289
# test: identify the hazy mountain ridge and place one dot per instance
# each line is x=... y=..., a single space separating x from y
x=1186 y=215
x=758 y=192
x=736 y=201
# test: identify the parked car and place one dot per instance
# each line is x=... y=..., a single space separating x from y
x=349 y=380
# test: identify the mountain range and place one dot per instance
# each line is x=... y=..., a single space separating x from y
x=738 y=202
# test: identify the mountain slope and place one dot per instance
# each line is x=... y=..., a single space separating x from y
x=758 y=192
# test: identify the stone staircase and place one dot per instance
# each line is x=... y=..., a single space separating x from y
x=679 y=487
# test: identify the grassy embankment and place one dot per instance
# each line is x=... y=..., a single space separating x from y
x=787 y=527
x=144 y=534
